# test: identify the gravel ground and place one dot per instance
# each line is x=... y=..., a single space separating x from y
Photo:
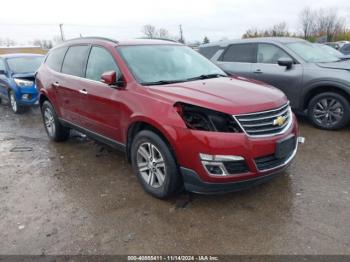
x=80 y=197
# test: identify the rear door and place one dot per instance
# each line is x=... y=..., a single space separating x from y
x=70 y=87
x=101 y=102
x=237 y=59
x=267 y=70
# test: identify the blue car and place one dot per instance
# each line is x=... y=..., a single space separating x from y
x=17 y=80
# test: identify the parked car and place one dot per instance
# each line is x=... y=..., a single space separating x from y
x=345 y=49
x=334 y=45
x=17 y=83
x=330 y=50
x=178 y=117
x=316 y=82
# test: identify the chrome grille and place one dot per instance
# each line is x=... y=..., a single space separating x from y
x=264 y=123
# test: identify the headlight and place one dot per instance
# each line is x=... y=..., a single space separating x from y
x=23 y=83
x=199 y=118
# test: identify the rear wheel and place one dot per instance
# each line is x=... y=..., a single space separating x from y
x=13 y=103
x=329 y=111
x=155 y=165
x=54 y=129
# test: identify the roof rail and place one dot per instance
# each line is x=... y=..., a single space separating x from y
x=93 y=37
x=159 y=38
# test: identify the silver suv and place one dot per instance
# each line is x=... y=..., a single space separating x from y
x=316 y=82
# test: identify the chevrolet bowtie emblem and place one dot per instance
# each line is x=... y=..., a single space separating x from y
x=279 y=121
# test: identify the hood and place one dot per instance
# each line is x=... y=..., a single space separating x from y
x=229 y=95
x=27 y=76
x=345 y=64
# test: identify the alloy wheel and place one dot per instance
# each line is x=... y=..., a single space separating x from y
x=328 y=111
x=151 y=164
x=13 y=102
x=49 y=122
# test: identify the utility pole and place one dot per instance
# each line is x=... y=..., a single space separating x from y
x=181 y=34
x=61 y=29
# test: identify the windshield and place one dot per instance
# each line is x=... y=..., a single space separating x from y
x=162 y=64
x=312 y=53
x=28 y=64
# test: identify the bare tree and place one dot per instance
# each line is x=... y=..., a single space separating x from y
x=328 y=23
x=307 y=22
x=280 y=29
x=43 y=43
x=163 y=33
x=149 y=31
x=7 y=42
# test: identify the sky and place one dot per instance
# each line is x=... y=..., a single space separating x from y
x=24 y=20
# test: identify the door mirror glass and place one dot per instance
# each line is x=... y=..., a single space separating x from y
x=2 y=72
x=285 y=61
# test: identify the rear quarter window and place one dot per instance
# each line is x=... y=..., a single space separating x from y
x=55 y=58
x=243 y=53
x=209 y=51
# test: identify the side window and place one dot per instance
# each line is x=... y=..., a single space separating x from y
x=74 y=61
x=209 y=51
x=269 y=54
x=100 y=61
x=2 y=64
x=244 y=53
x=55 y=58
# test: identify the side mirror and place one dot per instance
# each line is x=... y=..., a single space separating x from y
x=285 y=61
x=110 y=78
x=2 y=72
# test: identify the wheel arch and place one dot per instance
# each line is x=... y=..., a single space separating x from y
x=146 y=124
x=325 y=87
x=42 y=98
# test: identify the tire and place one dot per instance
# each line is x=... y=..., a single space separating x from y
x=161 y=165
x=17 y=109
x=54 y=129
x=329 y=111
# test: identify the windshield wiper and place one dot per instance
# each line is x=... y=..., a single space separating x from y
x=207 y=76
x=161 y=82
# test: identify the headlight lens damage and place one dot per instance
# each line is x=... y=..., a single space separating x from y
x=199 y=118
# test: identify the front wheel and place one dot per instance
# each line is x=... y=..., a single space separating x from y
x=329 y=111
x=155 y=165
x=13 y=103
x=54 y=129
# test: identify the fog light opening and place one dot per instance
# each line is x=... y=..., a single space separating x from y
x=215 y=165
x=214 y=170
x=27 y=96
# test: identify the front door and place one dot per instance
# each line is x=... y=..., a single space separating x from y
x=101 y=102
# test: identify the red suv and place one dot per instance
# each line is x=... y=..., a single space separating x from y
x=178 y=117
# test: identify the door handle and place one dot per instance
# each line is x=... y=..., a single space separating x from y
x=56 y=84
x=257 y=71
x=83 y=91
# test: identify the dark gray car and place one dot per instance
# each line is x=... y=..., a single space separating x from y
x=316 y=82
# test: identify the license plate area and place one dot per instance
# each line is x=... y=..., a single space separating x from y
x=285 y=147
